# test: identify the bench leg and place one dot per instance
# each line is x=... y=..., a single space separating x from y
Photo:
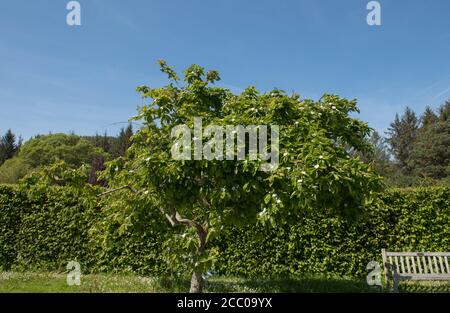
x=395 y=278
x=396 y=282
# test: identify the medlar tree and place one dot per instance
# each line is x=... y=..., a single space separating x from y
x=315 y=171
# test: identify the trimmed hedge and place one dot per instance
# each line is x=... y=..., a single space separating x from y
x=405 y=220
x=44 y=229
x=47 y=229
x=11 y=204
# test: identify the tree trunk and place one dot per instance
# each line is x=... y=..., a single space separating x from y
x=196 y=283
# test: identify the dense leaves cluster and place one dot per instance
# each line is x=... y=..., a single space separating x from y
x=44 y=228
x=420 y=148
x=315 y=170
x=405 y=220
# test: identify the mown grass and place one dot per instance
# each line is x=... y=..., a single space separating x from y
x=107 y=283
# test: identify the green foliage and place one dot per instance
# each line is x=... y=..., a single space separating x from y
x=114 y=146
x=126 y=240
x=56 y=230
x=378 y=155
x=45 y=150
x=405 y=220
x=421 y=150
x=44 y=227
x=315 y=171
x=8 y=146
x=431 y=153
x=59 y=174
x=401 y=136
x=122 y=142
x=14 y=169
x=12 y=206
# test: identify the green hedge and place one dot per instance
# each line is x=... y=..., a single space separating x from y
x=46 y=229
x=405 y=220
x=11 y=205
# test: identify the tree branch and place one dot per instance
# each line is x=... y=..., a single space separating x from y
x=117 y=189
x=174 y=219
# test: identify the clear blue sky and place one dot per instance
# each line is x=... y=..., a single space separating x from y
x=59 y=78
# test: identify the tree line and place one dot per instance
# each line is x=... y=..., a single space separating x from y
x=18 y=159
x=416 y=148
x=414 y=151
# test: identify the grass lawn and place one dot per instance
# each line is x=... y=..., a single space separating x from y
x=52 y=282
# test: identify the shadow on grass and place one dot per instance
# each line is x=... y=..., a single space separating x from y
x=53 y=282
x=290 y=285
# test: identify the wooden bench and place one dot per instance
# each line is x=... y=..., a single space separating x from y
x=415 y=266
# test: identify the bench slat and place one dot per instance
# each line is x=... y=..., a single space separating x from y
x=402 y=264
x=419 y=265
x=414 y=265
x=424 y=277
x=441 y=265
x=425 y=267
x=389 y=253
x=430 y=264
x=436 y=265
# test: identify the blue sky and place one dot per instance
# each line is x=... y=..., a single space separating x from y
x=59 y=78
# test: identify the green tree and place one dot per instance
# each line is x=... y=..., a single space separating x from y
x=444 y=111
x=378 y=155
x=428 y=118
x=45 y=150
x=101 y=141
x=13 y=169
x=8 y=146
x=48 y=149
x=430 y=156
x=123 y=141
x=401 y=136
x=315 y=171
x=98 y=165
x=105 y=142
